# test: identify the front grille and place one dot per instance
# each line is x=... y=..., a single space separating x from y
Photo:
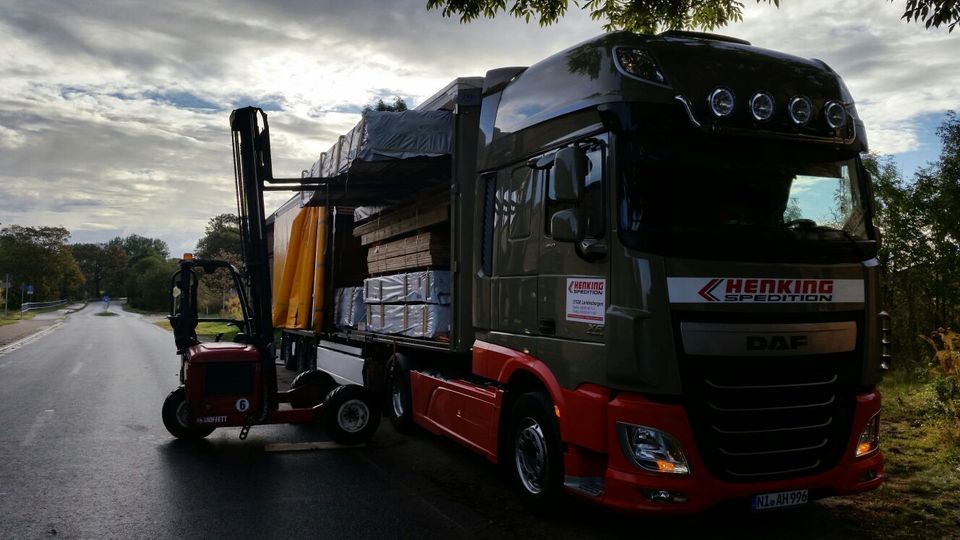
x=770 y=417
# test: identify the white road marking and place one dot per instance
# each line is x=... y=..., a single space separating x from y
x=29 y=339
x=76 y=368
x=42 y=419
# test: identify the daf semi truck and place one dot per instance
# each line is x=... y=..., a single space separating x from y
x=659 y=264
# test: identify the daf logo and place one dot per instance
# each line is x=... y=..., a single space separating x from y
x=776 y=343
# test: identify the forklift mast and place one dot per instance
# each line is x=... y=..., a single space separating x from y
x=252 y=167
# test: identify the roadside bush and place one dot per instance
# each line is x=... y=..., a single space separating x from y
x=945 y=382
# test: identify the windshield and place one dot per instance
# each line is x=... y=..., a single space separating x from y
x=729 y=198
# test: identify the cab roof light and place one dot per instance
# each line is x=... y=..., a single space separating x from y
x=722 y=102
x=639 y=64
x=188 y=256
x=762 y=106
x=835 y=114
x=800 y=110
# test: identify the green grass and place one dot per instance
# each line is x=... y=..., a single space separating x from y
x=14 y=317
x=106 y=314
x=921 y=494
x=207 y=329
x=131 y=309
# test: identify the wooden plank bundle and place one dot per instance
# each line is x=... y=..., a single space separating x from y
x=429 y=211
x=435 y=242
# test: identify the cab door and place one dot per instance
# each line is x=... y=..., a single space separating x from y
x=574 y=266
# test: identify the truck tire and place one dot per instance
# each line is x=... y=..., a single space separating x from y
x=321 y=384
x=350 y=414
x=399 y=397
x=175 y=417
x=535 y=453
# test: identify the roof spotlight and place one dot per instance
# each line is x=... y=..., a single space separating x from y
x=800 y=110
x=721 y=102
x=761 y=106
x=835 y=114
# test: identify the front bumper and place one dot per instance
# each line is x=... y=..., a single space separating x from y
x=615 y=482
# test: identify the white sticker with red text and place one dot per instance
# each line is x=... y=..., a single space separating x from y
x=725 y=290
x=586 y=300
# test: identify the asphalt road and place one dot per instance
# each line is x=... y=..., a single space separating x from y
x=84 y=454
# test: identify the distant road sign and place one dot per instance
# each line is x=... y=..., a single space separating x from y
x=29 y=289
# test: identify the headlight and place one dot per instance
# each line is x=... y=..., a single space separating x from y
x=651 y=449
x=800 y=110
x=721 y=102
x=870 y=437
x=761 y=106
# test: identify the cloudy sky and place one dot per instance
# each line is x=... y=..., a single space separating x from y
x=114 y=114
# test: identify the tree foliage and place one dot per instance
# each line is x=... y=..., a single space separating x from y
x=398 y=105
x=650 y=16
x=39 y=256
x=222 y=235
x=920 y=252
x=104 y=267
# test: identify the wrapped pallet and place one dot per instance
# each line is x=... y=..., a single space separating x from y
x=350 y=309
x=429 y=321
x=423 y=287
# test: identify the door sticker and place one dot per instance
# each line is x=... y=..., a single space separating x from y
x=586 y=300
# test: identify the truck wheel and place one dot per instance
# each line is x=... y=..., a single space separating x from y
x=535 y=454
x=399 y=401
x=350 y=414
x=175 y=417
x=320 y=383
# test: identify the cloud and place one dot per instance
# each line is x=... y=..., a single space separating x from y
x=114 y=115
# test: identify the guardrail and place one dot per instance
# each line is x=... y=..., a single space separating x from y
x=30 y=306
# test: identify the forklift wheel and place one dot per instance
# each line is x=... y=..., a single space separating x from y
x=175 y=417
x=350 y=414
x=320 y=383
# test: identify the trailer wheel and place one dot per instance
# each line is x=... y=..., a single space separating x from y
x=535 y=453
x=175 y=417
x=399 y=400
x=350 y=414
x=320 y=383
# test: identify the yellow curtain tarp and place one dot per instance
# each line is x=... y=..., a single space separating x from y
x=298 y=278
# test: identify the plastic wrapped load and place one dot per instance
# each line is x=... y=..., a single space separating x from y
x=423 y=287
x=387 y=136
x=430 y=321
x=349 y=310
x=361 y=213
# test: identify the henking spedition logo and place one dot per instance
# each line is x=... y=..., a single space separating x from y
x=767 y=290
x=592 y=286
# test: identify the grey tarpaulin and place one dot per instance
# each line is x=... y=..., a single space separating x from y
x=423 y=287
x=412 y=320
x=350 y=311
x=386 y=136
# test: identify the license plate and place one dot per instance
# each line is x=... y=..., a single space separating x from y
x=781 y=499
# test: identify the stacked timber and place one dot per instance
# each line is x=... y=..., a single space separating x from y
x=412 y=236
x=408 y=250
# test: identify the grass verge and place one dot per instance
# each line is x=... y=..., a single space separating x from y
x=920 y=439
x=207 y=330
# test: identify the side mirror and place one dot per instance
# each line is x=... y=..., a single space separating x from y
x=567 y=225
x=569 y=173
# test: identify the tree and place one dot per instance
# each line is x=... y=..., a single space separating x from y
x=148 y=283
x=39 y=256
x=920 y=252
x=221 y=235
x=398 y=105
x=649 y=16
x=103 y=265
x=138 y=247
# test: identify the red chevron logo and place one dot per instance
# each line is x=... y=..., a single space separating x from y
x=707 y=290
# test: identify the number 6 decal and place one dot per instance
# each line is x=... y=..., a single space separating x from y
x=243 y=404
